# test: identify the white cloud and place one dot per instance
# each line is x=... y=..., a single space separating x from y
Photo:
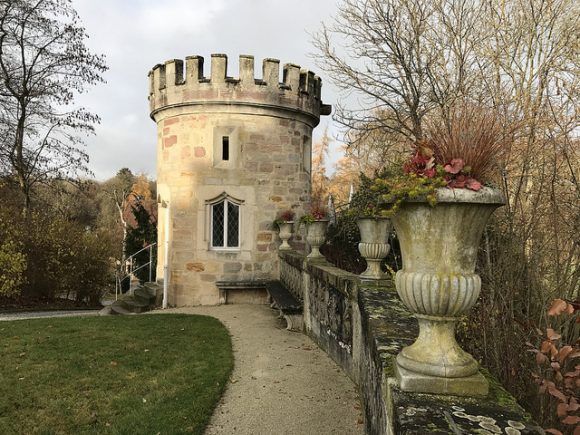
x=137 y=34
x=177 y=18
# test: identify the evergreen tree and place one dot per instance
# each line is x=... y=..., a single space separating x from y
x=142 y=234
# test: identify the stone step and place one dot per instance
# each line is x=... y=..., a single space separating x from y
x=157 y=289
x=117 y=308
x=142 y=300
x=153 y=286
x=137 y=299
x=134 y=303
x=106 y=311
x=145 y=293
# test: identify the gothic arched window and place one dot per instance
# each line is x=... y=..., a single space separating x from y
x=224 y=222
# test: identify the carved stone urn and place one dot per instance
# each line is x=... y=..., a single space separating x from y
x=438 y=284
x=374 y=246
x=285 y=234
x=316 y=235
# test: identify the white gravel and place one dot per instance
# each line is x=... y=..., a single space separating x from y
x=42 y=314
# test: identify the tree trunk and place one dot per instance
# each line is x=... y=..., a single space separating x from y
x=19 y=163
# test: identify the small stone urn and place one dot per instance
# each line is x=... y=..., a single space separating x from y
x=374 y=246
x=438 y=284
x=316 y=235
x=285 y=234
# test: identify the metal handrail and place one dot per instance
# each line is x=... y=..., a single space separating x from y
x=131 y=271
x=140 y=250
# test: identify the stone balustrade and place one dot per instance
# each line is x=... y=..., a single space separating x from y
x=363 y=325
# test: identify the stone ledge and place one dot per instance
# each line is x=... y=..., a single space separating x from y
x=390 y=327
x=415 y=413
x=235 y=285
x=293 y=258
x=319 y=268
x=475 y=385
x=380 y=326
x=343 y=281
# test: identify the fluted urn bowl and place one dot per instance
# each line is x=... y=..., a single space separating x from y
x=438 y=282
x=374 y=244
x=316 y=236
x=285 y=234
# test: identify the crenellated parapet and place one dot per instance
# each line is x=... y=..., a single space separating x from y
x=177 y=83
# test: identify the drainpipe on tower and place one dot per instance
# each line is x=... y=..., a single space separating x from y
x=166 y=256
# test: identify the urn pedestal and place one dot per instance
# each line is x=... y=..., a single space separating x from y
x=374 y=246
x=438 y=284
x=285 y=234
x=316 y=236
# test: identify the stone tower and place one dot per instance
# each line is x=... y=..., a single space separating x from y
x=231 y=153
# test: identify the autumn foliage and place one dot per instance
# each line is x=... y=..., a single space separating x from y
x=558 y=368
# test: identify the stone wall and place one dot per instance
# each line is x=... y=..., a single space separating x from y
x=362 y=325
x=268 y=176
x=268 y=125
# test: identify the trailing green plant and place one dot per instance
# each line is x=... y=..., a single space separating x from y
x=420 y=177
x=317 y=213
x=366 y=201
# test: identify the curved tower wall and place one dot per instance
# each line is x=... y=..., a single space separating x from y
x=247 y=140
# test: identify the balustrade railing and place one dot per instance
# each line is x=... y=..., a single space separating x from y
x=128 y=269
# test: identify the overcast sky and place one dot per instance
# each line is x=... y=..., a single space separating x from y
x=137 y=34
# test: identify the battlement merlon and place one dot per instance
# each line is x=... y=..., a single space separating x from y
x=177 y=83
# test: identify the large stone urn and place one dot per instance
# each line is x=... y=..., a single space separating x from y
x=285 y=234
x=316 y=235
x=374 y=246
x=438 y=284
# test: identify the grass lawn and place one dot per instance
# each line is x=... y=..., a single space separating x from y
x=148 y=374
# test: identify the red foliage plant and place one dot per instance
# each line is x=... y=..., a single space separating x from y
x=286 y=216
x=559 y=370
x=318 y=212
x=422 y=162
x=455 y=174
x=469 y=145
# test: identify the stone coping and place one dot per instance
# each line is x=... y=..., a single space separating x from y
x=486 y=195
x=391 y=326
x=293 y=258
x=318 y=268
x=388 y=326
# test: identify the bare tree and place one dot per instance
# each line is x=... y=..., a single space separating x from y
x=44 y=63
x=401 y=58
x=120 y=192
x=319 y=178
x=411 y=62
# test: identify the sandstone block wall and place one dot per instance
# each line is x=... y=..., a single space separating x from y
x=269 y=129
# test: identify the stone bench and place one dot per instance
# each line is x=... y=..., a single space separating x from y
x=290 y=307
x=243 y=292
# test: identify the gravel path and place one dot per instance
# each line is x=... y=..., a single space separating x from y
x=282 y=382
x=41 y=314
